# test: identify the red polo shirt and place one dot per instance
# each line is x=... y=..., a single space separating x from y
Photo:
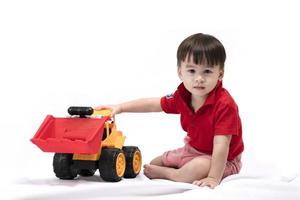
x=218 y=116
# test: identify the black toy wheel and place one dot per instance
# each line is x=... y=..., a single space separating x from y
x=112 y=164
x=133 y=161
x=62 y=166
x=81 y=111
x=87 y=172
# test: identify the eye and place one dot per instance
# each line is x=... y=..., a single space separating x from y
x=192 y=71
x=207 y=71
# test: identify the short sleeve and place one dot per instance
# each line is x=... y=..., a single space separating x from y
x=227 y=120
x=169 y=103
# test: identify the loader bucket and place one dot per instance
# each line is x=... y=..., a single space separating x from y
x=70 y=135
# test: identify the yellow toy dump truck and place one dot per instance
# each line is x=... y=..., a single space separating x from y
x=87 y=141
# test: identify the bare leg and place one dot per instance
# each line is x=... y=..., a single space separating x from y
x=157 y=161
x=193 y=170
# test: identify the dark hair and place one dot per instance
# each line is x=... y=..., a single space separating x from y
x=203 y=48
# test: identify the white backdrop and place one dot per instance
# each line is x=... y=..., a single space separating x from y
x=54 y=54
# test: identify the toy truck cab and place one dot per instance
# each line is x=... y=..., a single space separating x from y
x=87 y=141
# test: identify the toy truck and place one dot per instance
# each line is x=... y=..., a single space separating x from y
x=86 y=141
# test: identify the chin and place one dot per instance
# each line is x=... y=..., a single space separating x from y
x=200 y=94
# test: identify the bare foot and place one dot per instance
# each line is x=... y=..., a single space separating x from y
x=155 y=171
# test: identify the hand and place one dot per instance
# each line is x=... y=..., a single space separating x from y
x=186 y=139
x=208 y=181
x=115 y=109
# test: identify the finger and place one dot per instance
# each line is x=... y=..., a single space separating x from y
x=102 y=107
x=211 y=185
x=99 y=108
x=208 y=184
x=198 y=183
x=203 y=184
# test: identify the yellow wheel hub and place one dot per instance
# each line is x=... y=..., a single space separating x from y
x=137 y=162
x=120 y=164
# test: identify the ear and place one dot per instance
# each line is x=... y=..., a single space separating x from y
x=221 y=75
x=179 y=72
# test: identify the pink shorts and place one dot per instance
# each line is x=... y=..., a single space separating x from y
x=179 y=157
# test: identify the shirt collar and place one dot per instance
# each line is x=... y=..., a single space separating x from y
x=211 y=99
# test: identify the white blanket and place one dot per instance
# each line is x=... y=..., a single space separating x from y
x=240 y=187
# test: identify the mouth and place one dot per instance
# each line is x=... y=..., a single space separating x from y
x=199 y=87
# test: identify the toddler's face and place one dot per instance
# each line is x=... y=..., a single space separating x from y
x=199 y=79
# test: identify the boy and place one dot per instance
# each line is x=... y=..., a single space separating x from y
x=208 y=113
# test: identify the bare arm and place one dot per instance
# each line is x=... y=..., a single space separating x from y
x=219 y=156
x=139 y=105
x=218 y=161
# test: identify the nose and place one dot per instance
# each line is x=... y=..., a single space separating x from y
x=199 y=79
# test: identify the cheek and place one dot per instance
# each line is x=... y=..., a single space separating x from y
x=179 y=73
x=212 y=82
x=185 y=76
x=181 y=77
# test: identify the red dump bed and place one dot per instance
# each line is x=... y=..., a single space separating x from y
x=70 y=135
